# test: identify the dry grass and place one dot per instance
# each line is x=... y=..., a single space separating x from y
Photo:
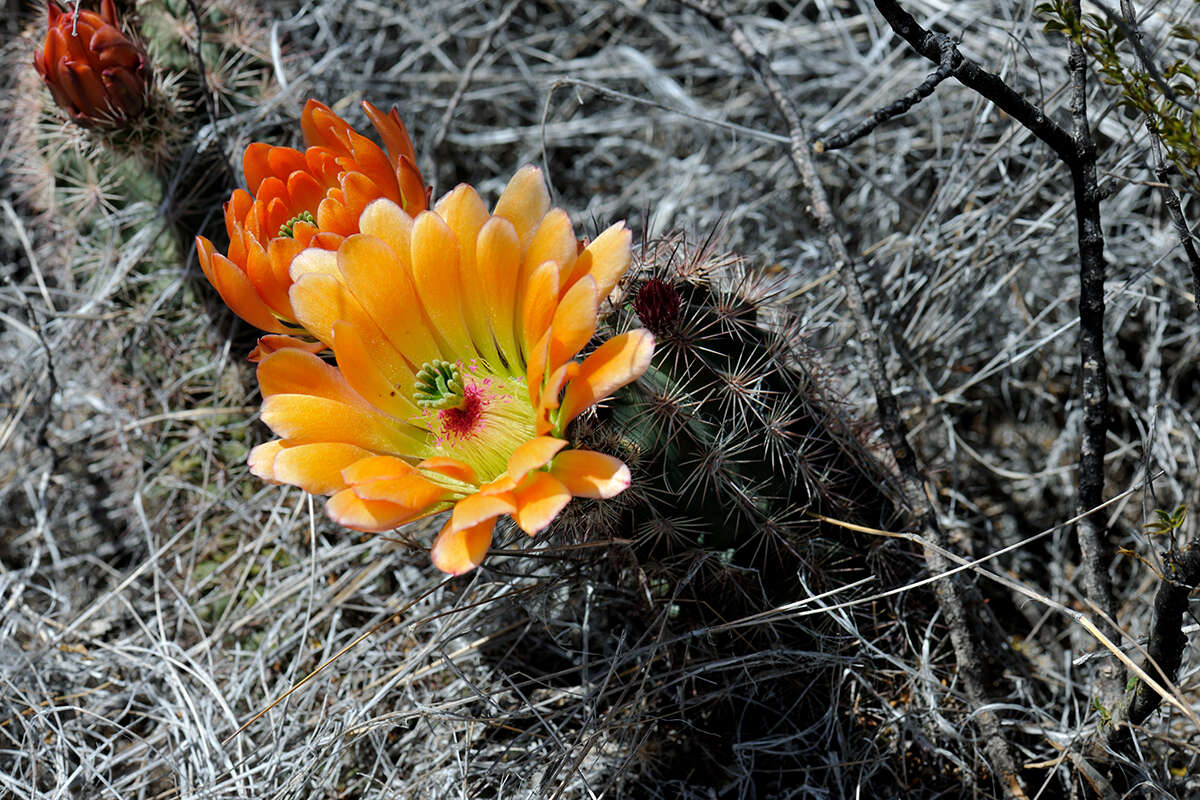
x=154 y=596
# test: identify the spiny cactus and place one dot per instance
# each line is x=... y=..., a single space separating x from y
x=734 y=444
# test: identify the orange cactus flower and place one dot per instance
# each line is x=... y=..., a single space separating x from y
x=455 y=335
x=95 y=73
x=305 y=199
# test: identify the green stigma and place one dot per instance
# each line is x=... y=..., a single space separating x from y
x=286 y=228
x=439 y=386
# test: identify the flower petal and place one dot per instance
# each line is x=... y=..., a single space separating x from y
x=376 y=372
x=380 y=279
x=316 y=468
x=435 y=275
x=262 y=460
x=295 y=371
x=524 y=202
x=373 y=516
x=586 y=473
x=606 y=259
x=306 y=419
x=539 y=499
x=476 y=508
x=618 y=361
x=240 y=295
x=554 y=241
x=534 y=454
x=465 y=214
x=498 y=262
x=460 y=551
x=451 y=468
x=574 y=322
x=538 y=305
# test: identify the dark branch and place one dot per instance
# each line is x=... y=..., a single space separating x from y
x=988 y=84
x=1167 y=640
x=949 y=57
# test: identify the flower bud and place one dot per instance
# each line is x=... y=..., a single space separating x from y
x=96 y=73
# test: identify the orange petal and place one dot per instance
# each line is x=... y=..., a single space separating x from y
x=411 y=491
x=376 y=468
x=392 y=131
x=539 y=499
x=465 y=214
x=373 y=516
x=606 y=259
x=534 y=454
x=589 y=474
x=537 y=308
x=306 y=419
x=498 y=263
x=274 y=341
x=554 y=241
x=477 y=508
x=615 y=363
x=451 y=468
x=239 y=294
x=373 y=272
x=574 y=322
x=295 y=371
x=460 y=551
x=436 y=277
x=322 y=300
x=316 y=468
x=524 y=202
x=386 y=383
x=262 y=460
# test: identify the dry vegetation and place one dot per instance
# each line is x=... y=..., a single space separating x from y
x=154 y=596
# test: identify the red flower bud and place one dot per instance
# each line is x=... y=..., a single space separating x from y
x=95 y=72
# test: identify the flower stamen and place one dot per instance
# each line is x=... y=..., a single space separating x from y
x=439 y=386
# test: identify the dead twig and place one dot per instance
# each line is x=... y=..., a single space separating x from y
x=1096 y=553
x=851 y=134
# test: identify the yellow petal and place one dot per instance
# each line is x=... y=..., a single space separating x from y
x=317 y=468
x=554 y=241
x=589 y=474
x=465 y=214
x=436 y=277
x=460 y=551
x=381 y=281
x=375 y=468
x=498 y=262
x=524 y=202
x=295 y=371
x=615 y=363
x=606 y=259
x=314 y=261
x=320 y=300
x=389 y=391
x=476 y=508
x=262 y=460
x=574 y=322
x=534 y=454
x=306 y=419
x=539 y=499
x=373 y=516
x=385 y=220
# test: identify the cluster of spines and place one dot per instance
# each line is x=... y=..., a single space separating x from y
x=733 y=443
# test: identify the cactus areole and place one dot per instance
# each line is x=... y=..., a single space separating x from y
x=96 y=73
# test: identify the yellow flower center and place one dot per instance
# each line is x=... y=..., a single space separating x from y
x=475 y=416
